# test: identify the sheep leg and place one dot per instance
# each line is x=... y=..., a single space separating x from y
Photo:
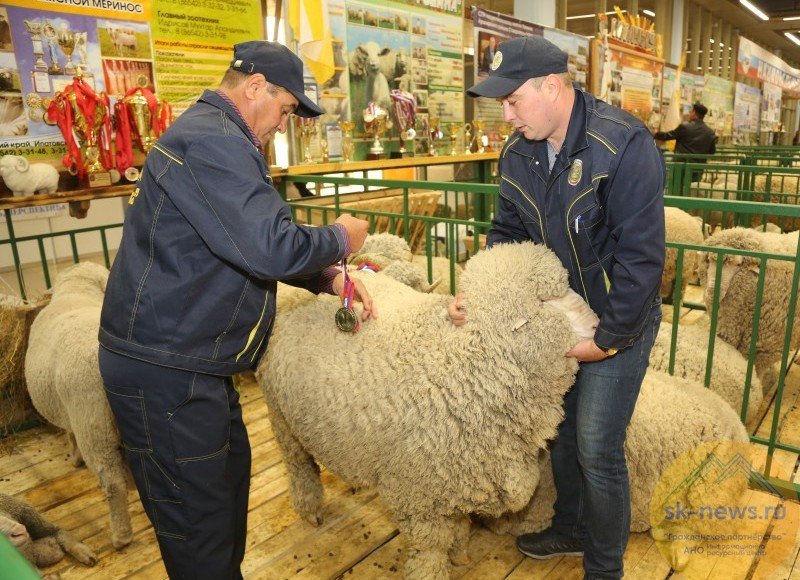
x=305 y=485
x=78 y=550
x=458 y=551
x=429 y=540
x=75 y=453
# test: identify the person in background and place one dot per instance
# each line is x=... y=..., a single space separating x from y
x=692 y=137
x=190 y=301
x=586 y=180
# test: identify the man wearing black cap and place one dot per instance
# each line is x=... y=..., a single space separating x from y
x=585 y=179
x=693 y=136
x=190 y=301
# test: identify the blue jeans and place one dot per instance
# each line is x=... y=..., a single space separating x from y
x=187 y=447
x=588 y=455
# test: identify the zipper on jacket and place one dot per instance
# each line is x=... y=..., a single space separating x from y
x=253 y=332
x=530 y=201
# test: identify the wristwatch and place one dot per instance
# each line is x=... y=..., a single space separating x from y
x=610 y=351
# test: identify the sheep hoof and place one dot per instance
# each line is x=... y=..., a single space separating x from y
x=84 y=554
x=121 y=540
x=459 y=557
x=314 y=519
x=77 y=460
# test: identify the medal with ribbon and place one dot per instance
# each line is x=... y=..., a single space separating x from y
x=405 y=111
x=346 y=318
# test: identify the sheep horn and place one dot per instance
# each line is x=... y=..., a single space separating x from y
x=22 y=164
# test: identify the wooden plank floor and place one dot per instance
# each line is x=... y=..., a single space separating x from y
x=357 y=539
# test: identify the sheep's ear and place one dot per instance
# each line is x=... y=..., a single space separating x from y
x=519 y=324
x=22 y=164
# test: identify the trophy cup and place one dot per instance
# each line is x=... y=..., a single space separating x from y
x=50 y=34
x=481 y=140
x=467 y=138
x=404 y=107
x=453 y=129
x=376 y=122
x=66 y=40
x=35 y=32
x=307 y=128
x=347 y=140
x=434 y=133
x=88 y=130
x=141 y=120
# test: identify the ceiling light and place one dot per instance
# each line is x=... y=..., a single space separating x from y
x=711 y=40
x=792 y=18
x=650 y=13
x=792 y=37
x=752 y=8
x=591 y=15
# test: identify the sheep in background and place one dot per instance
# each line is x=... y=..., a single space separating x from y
x=737 y=294
x=419 y=425
x=65 y=385
x=365 y=63
x=728 y=368
x=672 y=417
x=41 y=542
x=688 y=229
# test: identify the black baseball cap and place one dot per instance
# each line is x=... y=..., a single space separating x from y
x=517 y=60
x=280 y=66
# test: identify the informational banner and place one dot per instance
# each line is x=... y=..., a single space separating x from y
x=718 y=98
x=746 y=107
x=757 y=63
x=491 y=28
x=691 y=90
x=193 y=44
x=635 y=85
x=771 y=108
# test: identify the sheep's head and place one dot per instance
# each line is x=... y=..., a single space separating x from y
x=11 y=164
x=85 y=275
x=734 y=238
x=518 y=294
x=384 y=248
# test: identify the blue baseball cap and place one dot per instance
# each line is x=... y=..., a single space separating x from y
x=517 y=60
x=280 y=66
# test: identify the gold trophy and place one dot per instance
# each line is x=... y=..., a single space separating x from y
x=434 y=133
x=308 y=129
x=453 y=129
x=480 y=139
x=142 y=120
x=88 y=130
x=35 y=32
x=66 y=40
x=376 y=121
x=467 y=138
x=51 y=35
x=347 y=140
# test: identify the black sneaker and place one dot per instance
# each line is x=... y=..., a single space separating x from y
x=549 y=544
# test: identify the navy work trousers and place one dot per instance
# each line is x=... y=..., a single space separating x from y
x=188 y=449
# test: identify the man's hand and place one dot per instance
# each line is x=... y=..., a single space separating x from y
x=357 y=230
x=457 y=311
x=360 y=294
x=587 y=351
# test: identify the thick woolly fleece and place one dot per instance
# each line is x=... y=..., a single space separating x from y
x=728 y=369
x=444 y=421
x=688 y=229
x=64 y=382
x=738 y=286
x=672 y=416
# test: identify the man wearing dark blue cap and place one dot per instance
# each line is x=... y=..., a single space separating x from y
x=190 y=301
x=585 y=179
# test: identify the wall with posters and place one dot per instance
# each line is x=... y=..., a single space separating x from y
x=746 y=112
x=175 y=47
x=718 y=97
x=771 y=108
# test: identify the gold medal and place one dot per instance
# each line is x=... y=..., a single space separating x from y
x=346 y=320
x=575 y=172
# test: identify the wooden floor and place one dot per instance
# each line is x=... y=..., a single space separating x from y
x=357 y=539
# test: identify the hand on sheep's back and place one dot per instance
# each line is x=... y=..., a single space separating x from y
x=360 y=294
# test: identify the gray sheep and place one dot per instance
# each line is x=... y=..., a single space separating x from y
x=64 y=382
x=442 y=432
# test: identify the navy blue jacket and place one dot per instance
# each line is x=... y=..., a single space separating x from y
x=205 y=238
x=601 y=210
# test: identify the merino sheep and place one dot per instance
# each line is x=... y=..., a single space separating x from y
x=65 y=385
x=684 y=228
x=672 y=417
x=365 y=63
x=41 y=542
x=441 y=433
x=728 y=368
x=737 y=294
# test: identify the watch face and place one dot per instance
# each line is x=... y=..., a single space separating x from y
x=612 y=351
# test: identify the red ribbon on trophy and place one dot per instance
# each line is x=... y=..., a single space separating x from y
x=140 y=116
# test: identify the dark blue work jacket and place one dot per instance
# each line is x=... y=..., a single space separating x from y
x=600 y=209
x=206 y=236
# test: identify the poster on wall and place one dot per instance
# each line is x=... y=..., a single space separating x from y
x=718 y=98
x=746 y=108
x=771 y=108
x=635 y=86
x=168 y=47
x=757 y=63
